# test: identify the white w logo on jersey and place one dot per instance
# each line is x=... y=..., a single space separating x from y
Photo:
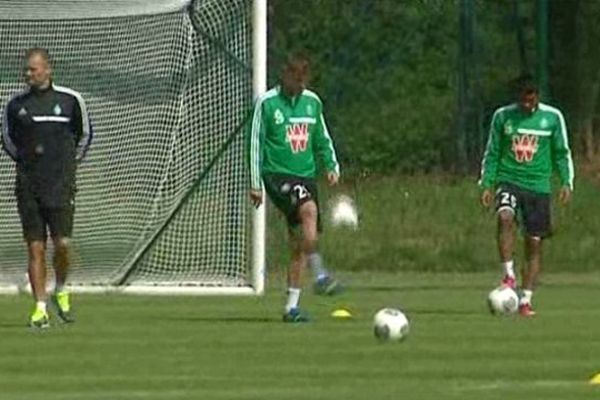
x=297 y=137
x=524 y=147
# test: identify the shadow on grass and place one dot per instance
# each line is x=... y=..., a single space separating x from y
x=417 y=288
x=20 y=328
x=467 y=286
x=13 y=325
x=232 y=319
x=443 y=311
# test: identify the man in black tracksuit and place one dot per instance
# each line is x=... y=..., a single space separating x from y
x=46 y=131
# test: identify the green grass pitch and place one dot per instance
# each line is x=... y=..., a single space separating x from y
x=127 y=347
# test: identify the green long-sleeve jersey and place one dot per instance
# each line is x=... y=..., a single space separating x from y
x=523 y=149
x=287 y=135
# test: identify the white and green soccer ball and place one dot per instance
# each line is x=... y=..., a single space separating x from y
x=390 y=324
x=503 y=300
x=343 y=212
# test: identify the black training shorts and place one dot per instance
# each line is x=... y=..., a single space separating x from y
x=289 y=192
x=531 y=209
x=38 y=219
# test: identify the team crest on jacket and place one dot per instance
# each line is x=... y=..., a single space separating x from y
x=508 y=128
x=57 y=110
x=278 y=117
x=524 y=147
x=297 y=137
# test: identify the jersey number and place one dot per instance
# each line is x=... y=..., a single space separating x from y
x=508 y=199
x=301 y=191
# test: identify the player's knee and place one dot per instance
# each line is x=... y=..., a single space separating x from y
x=309 y=234
x=297 y=252
x=295 y=241
x=37 y=245
x=308 y=212
x=61 y=246
x=61 y=241
x=309 y=244
x=37 y=251
x=534 y=243
x=506 y=219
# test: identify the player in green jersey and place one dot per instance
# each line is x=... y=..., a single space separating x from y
x=288 y=135
x=527 y=141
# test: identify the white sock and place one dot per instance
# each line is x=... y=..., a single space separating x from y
x=41 y=305
x=509 y=268
x=526 y=299
x=292 y=299
x=315 y=262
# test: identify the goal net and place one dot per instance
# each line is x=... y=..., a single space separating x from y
x=161 y=203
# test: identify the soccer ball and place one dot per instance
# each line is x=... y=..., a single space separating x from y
x=503 y=300
x=343 y=212
x=390 y=324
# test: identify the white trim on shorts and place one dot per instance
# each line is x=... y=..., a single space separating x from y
x=502 y=208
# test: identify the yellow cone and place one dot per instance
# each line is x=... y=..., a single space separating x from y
x=341 y=313
x=595 y=379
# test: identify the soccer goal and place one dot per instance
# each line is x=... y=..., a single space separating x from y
x=162 y=203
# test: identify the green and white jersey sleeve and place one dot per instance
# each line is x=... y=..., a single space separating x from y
x=256 y=141
x=288 y=135
x=563 y=160
x=524 y=149
x=324 y=146
x=489 y=165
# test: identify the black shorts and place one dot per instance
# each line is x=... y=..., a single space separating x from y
x=37 y=219
x=289 y=192
x=531 y=209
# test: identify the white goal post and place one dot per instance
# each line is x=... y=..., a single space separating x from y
x=162 y=204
